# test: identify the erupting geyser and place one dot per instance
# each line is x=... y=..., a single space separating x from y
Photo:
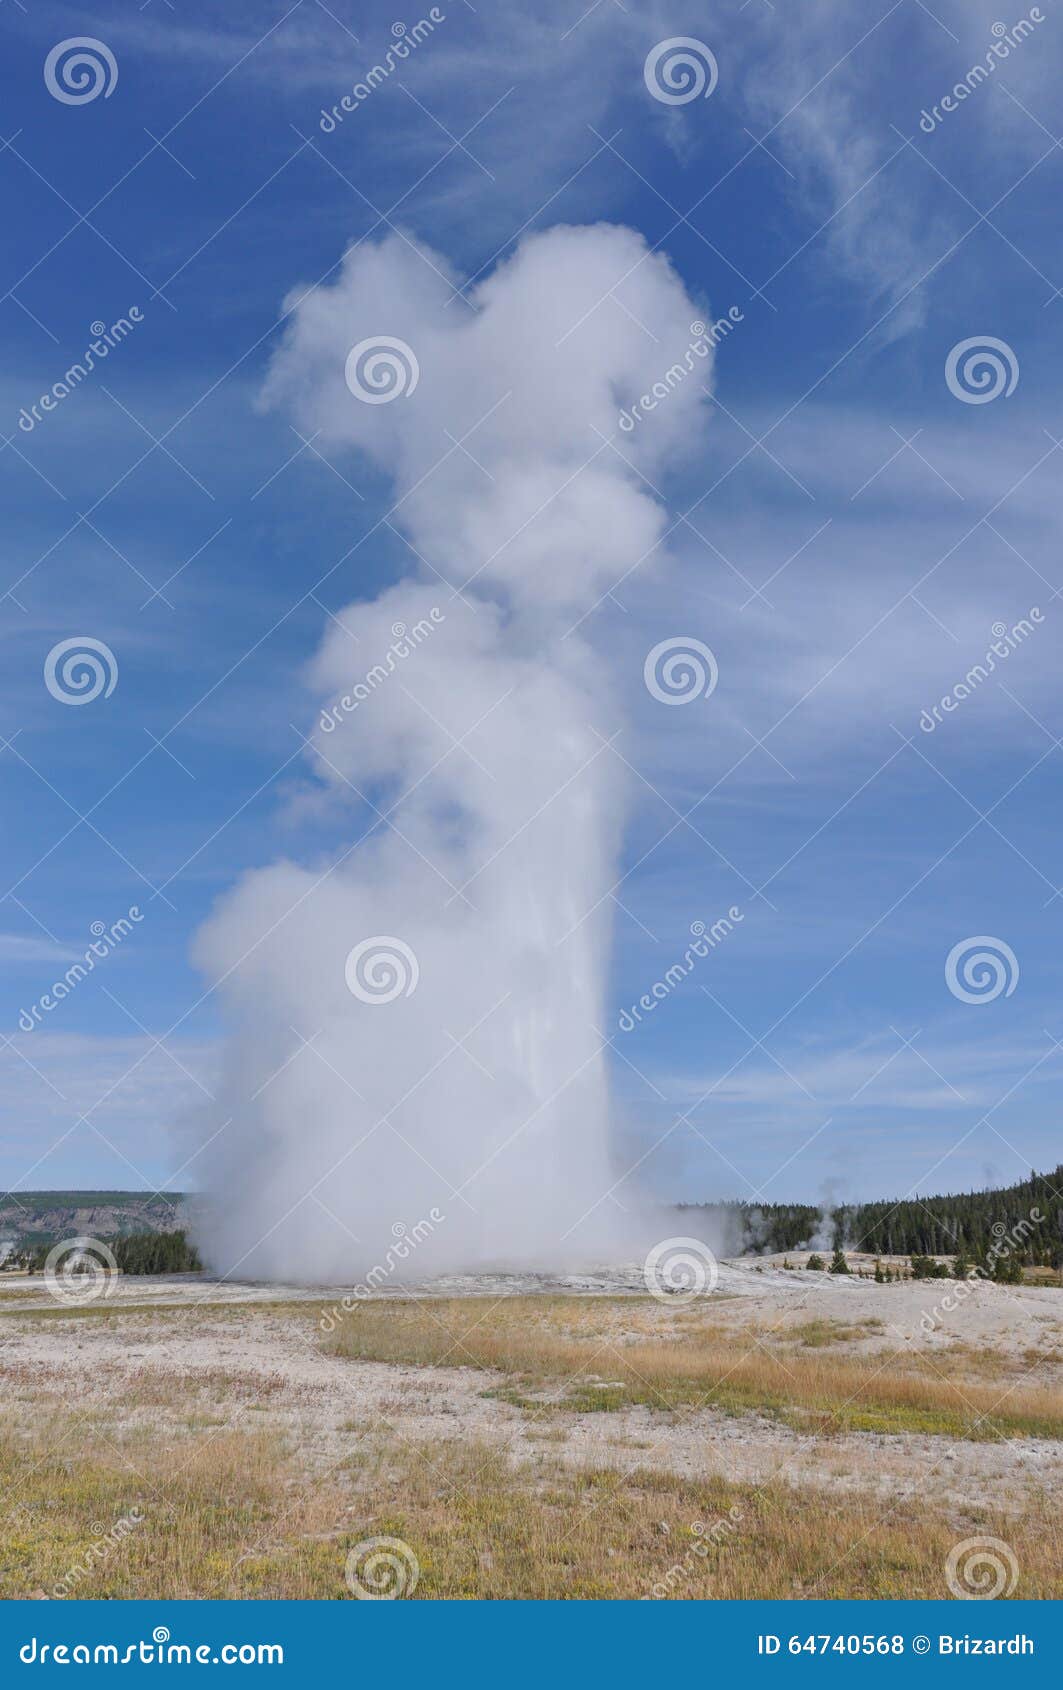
x=448 y=971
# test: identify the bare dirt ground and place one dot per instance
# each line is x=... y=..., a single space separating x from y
x=253 y=1355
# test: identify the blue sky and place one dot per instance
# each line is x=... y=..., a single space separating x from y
x=845 y=541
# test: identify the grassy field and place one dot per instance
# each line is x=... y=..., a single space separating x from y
x=225 y=1519
x=251 y=1466
x=584 y=1355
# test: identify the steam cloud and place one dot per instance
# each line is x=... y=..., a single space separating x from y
x=461 y=1069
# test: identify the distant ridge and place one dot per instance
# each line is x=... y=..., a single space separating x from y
x=38 y=1217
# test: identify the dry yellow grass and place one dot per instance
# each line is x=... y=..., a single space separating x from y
x=233 y=1515
x=231 y=1511
x=590 y=1353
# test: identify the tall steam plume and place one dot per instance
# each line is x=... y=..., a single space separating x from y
x=449 y=970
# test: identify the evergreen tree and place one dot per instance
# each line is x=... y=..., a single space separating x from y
x=924 y=1226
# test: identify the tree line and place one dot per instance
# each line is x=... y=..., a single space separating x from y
x=966 y=1224
x=134 y=1253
